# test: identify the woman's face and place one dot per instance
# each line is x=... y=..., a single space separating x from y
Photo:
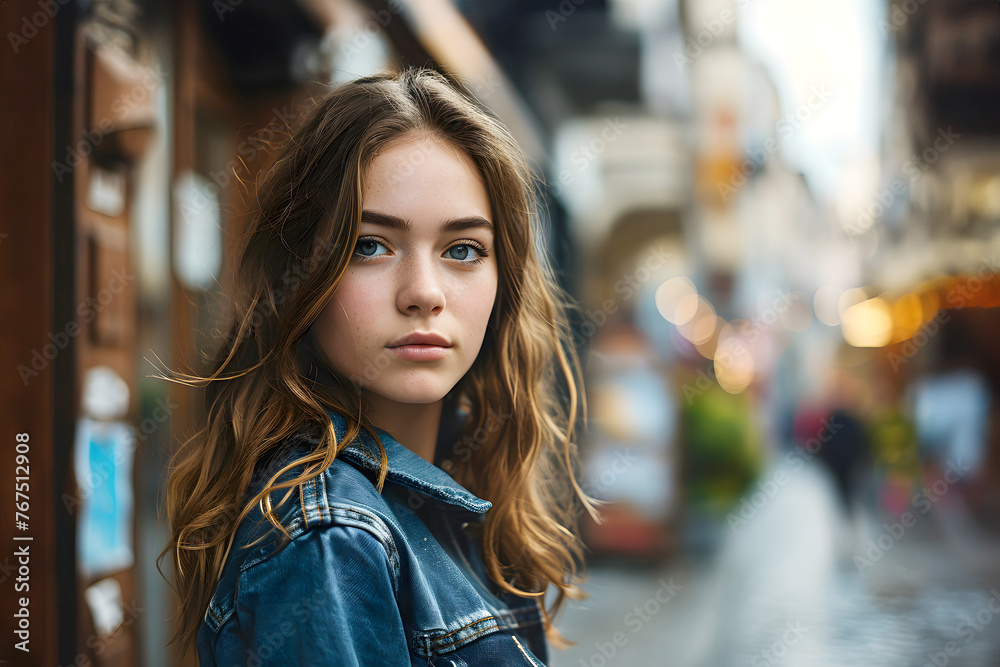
x=424 y=263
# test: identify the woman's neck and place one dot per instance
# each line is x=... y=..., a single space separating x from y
x=414 y=425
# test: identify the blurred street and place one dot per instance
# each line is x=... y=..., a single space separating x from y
x=778 y=595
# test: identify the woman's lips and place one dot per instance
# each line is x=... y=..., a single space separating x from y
x=420 y=352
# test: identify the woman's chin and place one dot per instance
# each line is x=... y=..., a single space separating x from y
x=424 y=394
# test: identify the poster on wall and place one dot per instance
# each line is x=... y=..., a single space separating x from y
x=103 y=454
x=104 y=486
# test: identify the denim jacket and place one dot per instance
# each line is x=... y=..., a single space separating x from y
x=369 y=579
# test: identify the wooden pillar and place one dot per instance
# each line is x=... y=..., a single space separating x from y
x=37 y=573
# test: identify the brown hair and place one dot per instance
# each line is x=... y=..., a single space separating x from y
x=300 y=238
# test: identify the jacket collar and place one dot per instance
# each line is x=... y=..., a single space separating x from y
x=406 y=468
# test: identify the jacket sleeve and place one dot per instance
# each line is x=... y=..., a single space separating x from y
x=325 y=599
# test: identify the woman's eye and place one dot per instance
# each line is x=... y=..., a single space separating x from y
x=464 y=251
x=467 y=253
x=368 y=248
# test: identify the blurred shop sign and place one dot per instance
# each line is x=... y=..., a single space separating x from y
x=197 y=231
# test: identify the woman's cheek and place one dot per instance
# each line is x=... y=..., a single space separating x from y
x=360 y=300
x=474 y=302
x=487 y=298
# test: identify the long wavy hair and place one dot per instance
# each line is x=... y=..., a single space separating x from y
x=301 y=233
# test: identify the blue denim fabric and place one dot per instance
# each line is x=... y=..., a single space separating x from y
x=393 y=579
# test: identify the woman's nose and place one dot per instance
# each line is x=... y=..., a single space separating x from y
x=420 y=287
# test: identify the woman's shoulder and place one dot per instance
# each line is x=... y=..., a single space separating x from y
x=340 y=492
x=340 y=500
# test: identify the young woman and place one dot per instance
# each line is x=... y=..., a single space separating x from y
x=386 y=473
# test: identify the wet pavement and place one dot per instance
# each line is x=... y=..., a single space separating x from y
x=799 y=584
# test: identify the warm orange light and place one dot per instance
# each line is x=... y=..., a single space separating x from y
x=849 y=298
x=930 y=304
x=868 y=324
x=907 y=316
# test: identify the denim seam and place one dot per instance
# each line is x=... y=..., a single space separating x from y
x=216 y=615
x=313 y=503
x=219 y=611
x=344 y=515
x=467 y=625
x=346 y=520
x=519 y=618
x=431 y=643
x=352 y=516
x=323 y=501
x=303 y=503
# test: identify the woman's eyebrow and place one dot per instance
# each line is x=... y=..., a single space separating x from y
x=394 y=222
